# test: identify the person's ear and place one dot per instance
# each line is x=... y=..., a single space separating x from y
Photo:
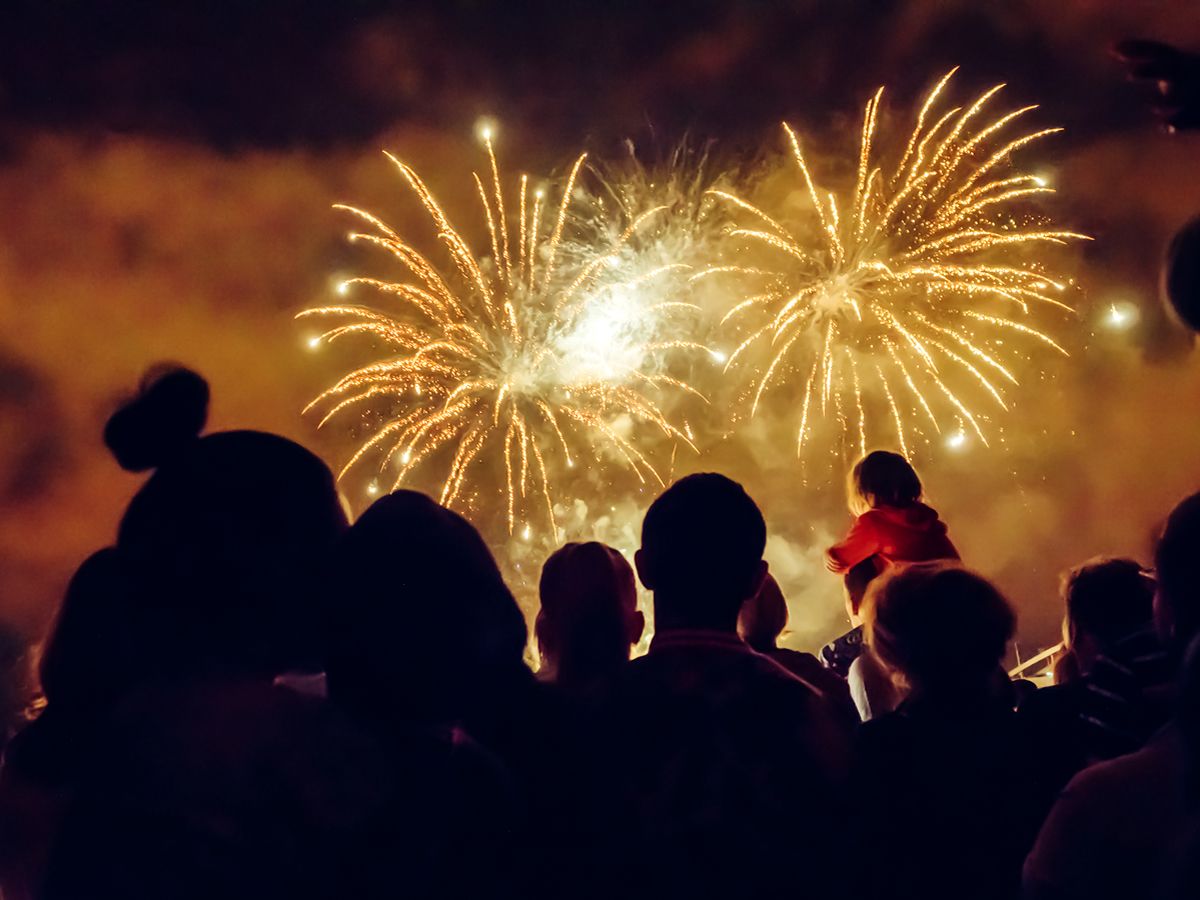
x=641 y=562
x=760 y=576
x=1164 y=619
x=636 y=625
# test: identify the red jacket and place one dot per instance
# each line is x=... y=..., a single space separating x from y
x=909 y=534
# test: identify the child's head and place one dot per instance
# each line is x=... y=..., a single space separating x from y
x=882 y=478
x=764 y=616
x=589 y=620
x=942 y=628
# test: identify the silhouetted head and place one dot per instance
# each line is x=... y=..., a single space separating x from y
x=225 y=541
x=1177 y=571
x=701 y=554
x=764 y=616
x=1181 y=274
x=421 y=621
x=855 y=583
x=589 y=620
x=96 y=648
x=882 y=478
x=943 y=629
x=1107 y=600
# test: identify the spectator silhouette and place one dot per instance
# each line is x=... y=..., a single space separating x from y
x=1110 y=831
x=761 y=622
x=206 y=780
x=892 y=526
x=1113 y=703
x=716 y=757
x=427 y=641
x=588 y=621
x=948 y=809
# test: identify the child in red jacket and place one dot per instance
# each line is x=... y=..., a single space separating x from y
x=893 y=525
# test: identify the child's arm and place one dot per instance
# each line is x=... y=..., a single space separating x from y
x=861 y=543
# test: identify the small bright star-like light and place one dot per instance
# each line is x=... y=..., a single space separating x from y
x=718 y=356
x=957 y=440
x=1041 y=180
x=343 y=288
x=373 y=488
x=526 y=532
x=314 y=343
x=485 y=127
x=1121 y=315
x=406 y=457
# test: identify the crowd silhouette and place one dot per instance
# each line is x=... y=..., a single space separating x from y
x=247 y=696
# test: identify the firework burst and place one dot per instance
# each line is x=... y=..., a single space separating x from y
x=509 y=364
x=908 y=287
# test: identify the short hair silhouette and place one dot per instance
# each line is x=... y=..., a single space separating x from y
x=588 y=619
x=1177 y=570
x=1181 y=274
x=882 y=478
x=225 y=540
x=764 y=616
x=943 y=628
x=701 y=554
x=1108 y=599
x=420 y=617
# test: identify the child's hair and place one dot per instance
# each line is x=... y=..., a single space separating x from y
x=882 y=478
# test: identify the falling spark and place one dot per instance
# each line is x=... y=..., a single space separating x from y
x=508 y=362
x=911 y=274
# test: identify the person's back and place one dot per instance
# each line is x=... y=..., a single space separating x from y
x=949 y=807
x=721 y=766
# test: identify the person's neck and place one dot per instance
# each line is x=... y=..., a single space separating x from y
x=666 y=618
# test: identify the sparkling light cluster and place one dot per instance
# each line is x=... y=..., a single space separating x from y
x=917 y=281
x=535 y=352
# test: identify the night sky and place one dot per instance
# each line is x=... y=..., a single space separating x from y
x=166 y=173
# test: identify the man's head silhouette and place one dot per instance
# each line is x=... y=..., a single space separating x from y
x=701 y=554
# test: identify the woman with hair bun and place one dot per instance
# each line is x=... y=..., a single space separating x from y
x=226 y=539
x=207 y=777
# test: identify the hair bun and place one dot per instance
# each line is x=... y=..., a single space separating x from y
x=167 y=414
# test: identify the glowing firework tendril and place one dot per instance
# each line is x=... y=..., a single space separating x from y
x=903 y=272
x=509 y=355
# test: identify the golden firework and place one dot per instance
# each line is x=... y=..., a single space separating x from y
x=905 y=283
x=513 y=361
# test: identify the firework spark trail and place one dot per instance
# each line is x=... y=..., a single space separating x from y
x=900 y=274
x=509 y=356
